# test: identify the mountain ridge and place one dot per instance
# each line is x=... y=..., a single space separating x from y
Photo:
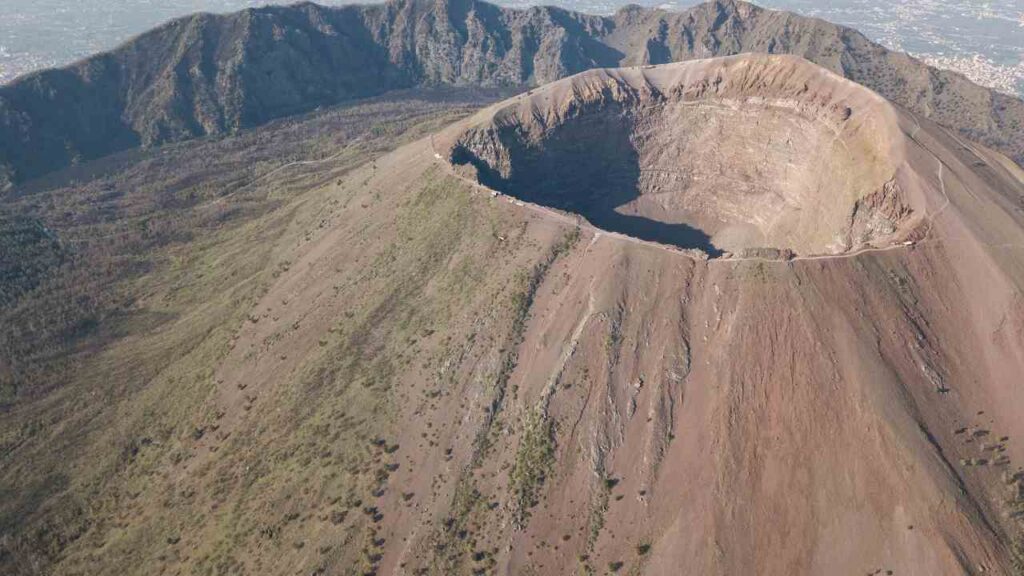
x=210 y=75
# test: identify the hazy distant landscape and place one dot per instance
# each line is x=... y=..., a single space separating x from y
x=982 y=39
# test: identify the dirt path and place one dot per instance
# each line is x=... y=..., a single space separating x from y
x=570 y=347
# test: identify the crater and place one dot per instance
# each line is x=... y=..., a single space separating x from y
x=730 y=156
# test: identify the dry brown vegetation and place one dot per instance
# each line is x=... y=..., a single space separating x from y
x=115 y=313
x=80 y=240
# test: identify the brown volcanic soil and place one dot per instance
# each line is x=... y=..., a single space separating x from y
x=838 y=414
x=428 y=379
x=731 y=154
x=584 y=402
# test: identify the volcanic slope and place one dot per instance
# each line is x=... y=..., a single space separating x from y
x=641 y=409
x=427 y=378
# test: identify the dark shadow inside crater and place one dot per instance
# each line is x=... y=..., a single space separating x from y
x=588 y=167
x=681 y=235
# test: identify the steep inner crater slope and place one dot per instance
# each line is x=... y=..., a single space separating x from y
x=767 y=154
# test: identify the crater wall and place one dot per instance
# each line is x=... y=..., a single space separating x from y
x=726 y=155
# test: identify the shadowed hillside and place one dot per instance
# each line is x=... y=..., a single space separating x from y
x=210 y=75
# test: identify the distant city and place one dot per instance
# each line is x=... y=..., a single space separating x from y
x=982 y=39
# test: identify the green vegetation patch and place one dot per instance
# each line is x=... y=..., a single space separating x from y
x=534 y=461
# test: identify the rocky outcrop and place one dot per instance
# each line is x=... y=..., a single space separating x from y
x=878 y=216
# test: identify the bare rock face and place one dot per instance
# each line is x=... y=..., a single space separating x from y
x=733 y=154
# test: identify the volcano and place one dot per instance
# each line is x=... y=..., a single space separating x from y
x=788 y=339
x=720 y=317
